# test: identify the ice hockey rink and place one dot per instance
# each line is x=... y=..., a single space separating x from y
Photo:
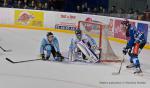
x=45 y=74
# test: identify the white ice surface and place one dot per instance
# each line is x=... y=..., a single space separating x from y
x=39 y=74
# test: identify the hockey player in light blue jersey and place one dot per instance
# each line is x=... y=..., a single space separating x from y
x=50 y=45
x=83 y=46
x=134 y=45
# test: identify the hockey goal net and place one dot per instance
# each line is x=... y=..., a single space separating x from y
x=99 y=32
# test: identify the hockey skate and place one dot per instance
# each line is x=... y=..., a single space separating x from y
x=130 y=66
x=138 y=71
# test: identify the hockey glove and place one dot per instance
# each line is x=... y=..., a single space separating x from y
x=58 y=55
x=42 y=56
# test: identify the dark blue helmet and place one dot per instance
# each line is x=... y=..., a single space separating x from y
x=49 y=33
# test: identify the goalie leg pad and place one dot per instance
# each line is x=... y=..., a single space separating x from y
x=87 y=52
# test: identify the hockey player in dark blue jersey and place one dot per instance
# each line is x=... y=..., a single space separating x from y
x=50 y=45
x=134 y=45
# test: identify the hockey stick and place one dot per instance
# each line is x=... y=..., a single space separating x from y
x=14 y=62
x=117 y=73
x=5 y=50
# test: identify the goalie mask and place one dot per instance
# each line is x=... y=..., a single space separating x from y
x=78 y=34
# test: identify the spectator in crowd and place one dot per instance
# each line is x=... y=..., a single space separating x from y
x=113 y=10
x=39 y=6
x=19 y=4
x=83 y=8
x=85 y=5
x=88 y=10
x=10 y=3
x=25 y=2
x=95 y=11
x=78 y=10
x=50 y=5
x=32 y=5
x=147 y=9
x=100 y=9
x=15 y=2
x=146 y=14
x=131 y=11
x=121 y=11
x=135 y=14
x=5 y=4
x=52 y=8
x=26 y=6
x=45 y=6
x=55 y=4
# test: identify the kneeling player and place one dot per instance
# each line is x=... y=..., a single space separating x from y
x=50 y=45
x=83 y=47
x=134 y=46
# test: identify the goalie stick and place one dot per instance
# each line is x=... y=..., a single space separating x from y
x=5 y=49
x=117 y=73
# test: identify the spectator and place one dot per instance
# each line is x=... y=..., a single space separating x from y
x=147 y=9
x=26 y=6
x=100 y=9
x=121 y=11
x=104 y=10
x=88 y=10
x=25 y=2
x=52 y=8
x=83 y=8
x=38 y=6
x=113 y=9
x=146 y=14
x=131 y=11
x=135 y=14
x=50 y=4
x=85 y=5
x=32 y=5
x=15 y=2
x=95 y=11
x=19 y=4
x=55 y=5
x=78 y=10
x=5 y=4
x=45 y=6
x=10 y=3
